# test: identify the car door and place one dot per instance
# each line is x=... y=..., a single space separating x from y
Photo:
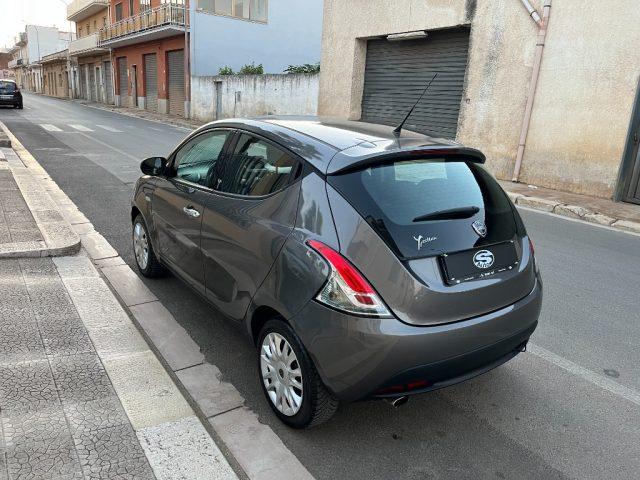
x=178 y=203
x=247 y=220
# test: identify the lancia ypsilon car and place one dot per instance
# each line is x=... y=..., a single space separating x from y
x=10 y=94
x=363 y=262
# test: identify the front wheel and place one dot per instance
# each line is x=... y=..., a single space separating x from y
x=289 y=379
x=146 y=259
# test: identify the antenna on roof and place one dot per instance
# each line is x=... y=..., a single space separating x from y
x=398 y=129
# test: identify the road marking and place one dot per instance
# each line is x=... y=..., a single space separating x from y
x=109 y=129
x=81 y=128
x=124 y=154
x=50 y=128
x=627 y=393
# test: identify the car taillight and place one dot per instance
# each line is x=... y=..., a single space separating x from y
x=346 y=289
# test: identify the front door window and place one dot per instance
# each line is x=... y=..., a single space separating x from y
x=198 y=160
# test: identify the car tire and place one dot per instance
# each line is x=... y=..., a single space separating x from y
x=142 y=248
x=20 y=106
x=318 y=404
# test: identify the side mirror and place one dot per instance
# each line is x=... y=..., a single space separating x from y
x=153 y=166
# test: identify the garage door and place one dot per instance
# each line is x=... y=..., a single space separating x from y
x=396 y=74
x=124 y=80
x=176 y=82
x=151 y=81
x=108 y=81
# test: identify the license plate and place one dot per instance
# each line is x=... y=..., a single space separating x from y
x=6 y=97
x=479 y=262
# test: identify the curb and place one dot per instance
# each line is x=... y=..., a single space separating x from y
x=37 y=189
x=575 y=212
x=252 y=449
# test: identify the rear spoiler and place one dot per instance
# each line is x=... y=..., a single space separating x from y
x=343 y=163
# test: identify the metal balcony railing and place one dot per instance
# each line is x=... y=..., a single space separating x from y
x=165 y=15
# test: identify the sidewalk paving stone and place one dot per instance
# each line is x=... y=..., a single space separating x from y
x=60 y=415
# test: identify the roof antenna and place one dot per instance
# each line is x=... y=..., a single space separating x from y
x=398 y=129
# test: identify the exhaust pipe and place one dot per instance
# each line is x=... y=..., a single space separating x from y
x=397 y=402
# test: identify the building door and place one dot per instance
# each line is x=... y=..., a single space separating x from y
x=123 y=79
x=83 y=82
x=397 y=72
x=151 y=81
x=98 y=84
x=134 y=85
x=175 y=62
x=93 y=84
x=108 y=82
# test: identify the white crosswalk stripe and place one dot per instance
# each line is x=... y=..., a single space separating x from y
x=50 y=128
x=81 y=128
x=109 y=129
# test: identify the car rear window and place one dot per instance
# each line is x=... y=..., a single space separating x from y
x=7 y=87
x=393 y=196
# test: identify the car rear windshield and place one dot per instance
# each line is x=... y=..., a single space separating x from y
x=434 y=199
x=7 y=87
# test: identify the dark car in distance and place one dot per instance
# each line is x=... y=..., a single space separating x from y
x=363 y=262
x=10 y=94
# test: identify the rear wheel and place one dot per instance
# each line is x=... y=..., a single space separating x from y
x=146 y=259
x=289 y=379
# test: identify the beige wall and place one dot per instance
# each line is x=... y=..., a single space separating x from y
x=98 y=18
x=55 y=82
x=585 y=94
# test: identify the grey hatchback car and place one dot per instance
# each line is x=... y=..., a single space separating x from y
x=362 y=263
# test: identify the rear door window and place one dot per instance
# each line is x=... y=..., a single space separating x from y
x=426 y=207
x=257 y=168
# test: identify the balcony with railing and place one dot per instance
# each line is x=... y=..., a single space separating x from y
x=16 y=62
x=78 y=10
x=161 y=22
x=86 y=44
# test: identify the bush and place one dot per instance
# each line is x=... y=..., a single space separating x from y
x=226 y=71
x=251 y=69
x=306 y=68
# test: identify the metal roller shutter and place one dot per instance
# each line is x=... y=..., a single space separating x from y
x=176 y=82
x=396 y=74
x=108 y=81
x=124 y=80
x=93 y=93
x=151 y=81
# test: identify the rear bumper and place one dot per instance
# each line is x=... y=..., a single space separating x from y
x=13 y=101
x=362 y=357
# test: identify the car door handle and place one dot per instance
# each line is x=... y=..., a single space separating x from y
x=191 y=212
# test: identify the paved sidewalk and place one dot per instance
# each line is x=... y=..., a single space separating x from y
x=147 y=115
x=81 y=394
x=17 y=225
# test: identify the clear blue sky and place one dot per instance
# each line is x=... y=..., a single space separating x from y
x=17 y=13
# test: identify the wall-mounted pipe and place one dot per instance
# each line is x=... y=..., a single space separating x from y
x=533 y=84
x=532 y=12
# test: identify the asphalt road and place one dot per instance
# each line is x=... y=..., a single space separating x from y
x=568 y=408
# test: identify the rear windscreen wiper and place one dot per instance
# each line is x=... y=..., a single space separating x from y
x=451 y=214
